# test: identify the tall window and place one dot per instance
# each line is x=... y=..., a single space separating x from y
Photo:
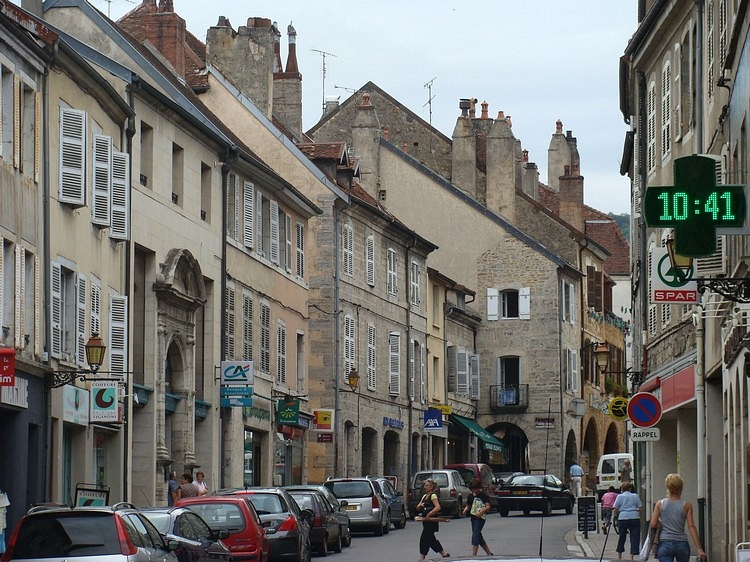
x=415 y=283
x=349 y=345
x=666 y=109
x=571 y=370
x=508 y=380
x=392 y=269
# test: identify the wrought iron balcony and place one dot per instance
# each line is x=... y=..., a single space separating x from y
x=509 y=399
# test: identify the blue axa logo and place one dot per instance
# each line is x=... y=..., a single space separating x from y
x=432 y=422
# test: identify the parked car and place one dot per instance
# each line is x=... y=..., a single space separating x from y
x=287 y=527
x=534 y=492
x=247 y=541
x=500 y=478
x=481 y=471
x=198 y=543
x=365 y=503
x=453 y=491
x=119 y=533
x=395 y=500
x=339 y=508
x=325 y=533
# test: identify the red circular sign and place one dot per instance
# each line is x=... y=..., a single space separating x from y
x=644 y=409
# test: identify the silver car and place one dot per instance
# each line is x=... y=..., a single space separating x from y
x=365 y=503
x=452 y=491
x=119 y=533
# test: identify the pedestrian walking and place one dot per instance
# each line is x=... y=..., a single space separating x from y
x=576 y=476
x=673 y=512
x=429 y=507
x=608 y=502
x=626 y=472
x=173 y=489
x=627 y=507
x=477 y=505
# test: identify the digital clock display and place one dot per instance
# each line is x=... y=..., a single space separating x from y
x=670 y=205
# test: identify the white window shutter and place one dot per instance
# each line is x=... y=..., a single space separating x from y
x=56 y=310
x=17 y=92
x=72 y=156
x=348 y=247
x=572 y=303
x=120 y=196
x=493 y=303
x=394 y=364
x=371 y=357
x=574 y=370
x=415 y=283
x=451 y=366
x=524 y=303
x=96 y=307
x=259 y=222
x=274 y=221
x=37 y=302
x=370 y=260
x=422 y=375
x=281 y=354
x=37 y=135
x=230 y=322
x=288 y=245
x=474 y=390
x=235 y=218
x=101 y=181
x=462 y=372
x=247 y=327
x=118 y=333
x=412 y=370
x=81 y=336
x=18 y=330
x=300 y=241
x=248 y=215
x=349 y=345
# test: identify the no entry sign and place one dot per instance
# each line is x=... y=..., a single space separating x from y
x=644 y=409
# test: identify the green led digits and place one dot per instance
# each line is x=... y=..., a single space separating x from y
x=695 y=206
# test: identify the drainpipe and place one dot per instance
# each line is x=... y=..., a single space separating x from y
x=561 y=357
x=700 y=402
x=409 y=353
x=336 y=336
x=47 y=258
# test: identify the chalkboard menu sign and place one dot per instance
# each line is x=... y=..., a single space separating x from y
x=586 y=513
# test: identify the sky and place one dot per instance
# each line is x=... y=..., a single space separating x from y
x=537 y=61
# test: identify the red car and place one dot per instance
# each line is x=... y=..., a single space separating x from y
x=247 y=541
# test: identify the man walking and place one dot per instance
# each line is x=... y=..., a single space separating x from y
x=576 y=475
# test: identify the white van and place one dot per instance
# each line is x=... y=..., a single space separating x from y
x=608 y=471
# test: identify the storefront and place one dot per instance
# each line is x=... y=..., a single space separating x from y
x=489 y=449
x=289 y=448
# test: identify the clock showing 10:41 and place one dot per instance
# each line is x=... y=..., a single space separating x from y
x=695 y=206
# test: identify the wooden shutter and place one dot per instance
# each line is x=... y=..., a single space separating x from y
x=349 y=345
x=415 y=284
x=20 y=297
x=248 y=216
x=37 y=135
x=120 y=196
x=462 y=372
x=118 y=333
x=274 y=234
x=281 y=354
x=348 y=244
x=81 y=336
x=72 y=156
x=17 y=124
x=229 y=334
x=371 y=357
x=422 y=375
x=259 y=222
x=37 y=301
x=451 y=366
x=56 y=310
x=524 y=303
x=412 y=370
x=288 y=242
x=247 y=327
x=2 y=284
x=474 y=391
x=300 y=241
x=493 y=303
x=370 y=260
x=394 y=363
x=102 y=180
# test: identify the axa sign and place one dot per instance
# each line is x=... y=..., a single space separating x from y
x=237 y=372
x=433 y=420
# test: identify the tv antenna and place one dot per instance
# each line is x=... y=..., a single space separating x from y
x=324 y=54
x=430 y=97
x=350 y=90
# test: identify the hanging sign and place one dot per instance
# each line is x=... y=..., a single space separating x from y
x=7 y=366
x=104 y=402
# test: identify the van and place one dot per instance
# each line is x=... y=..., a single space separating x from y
x=481 y=471
x=608 y=471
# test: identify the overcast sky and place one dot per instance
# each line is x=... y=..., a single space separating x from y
x=536 y=60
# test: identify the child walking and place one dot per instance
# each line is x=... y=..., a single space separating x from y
x=477 y=504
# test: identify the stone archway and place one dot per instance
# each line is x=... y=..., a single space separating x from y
x=591 y=452
x=392 y=454
x=516 y=447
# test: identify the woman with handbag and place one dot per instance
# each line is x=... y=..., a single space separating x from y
x=673 y=513
x=429 y=507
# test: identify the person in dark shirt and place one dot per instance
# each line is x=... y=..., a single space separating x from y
x=477 y=505
x=187 y=488
x=173 y=492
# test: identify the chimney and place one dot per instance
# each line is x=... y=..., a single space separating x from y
x=530 y=178
x=246 y=57
x=287 y=89
x=503 y=169
x=571 y=197
x=366 y=142
x=464 y=153
x=276 y=50
x=558 y=156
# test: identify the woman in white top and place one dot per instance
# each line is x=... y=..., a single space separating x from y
x=200 y=483
x=674 y=512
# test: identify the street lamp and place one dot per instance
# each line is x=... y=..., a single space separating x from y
x=601 y=357
x=95 y=350
x=353 y=380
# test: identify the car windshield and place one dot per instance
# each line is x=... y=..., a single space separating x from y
x=440 y=478
x=528 y=480
x=267 y=503
x=350 y=489
x=160 y=520
x=220 y=515
x=60 y=535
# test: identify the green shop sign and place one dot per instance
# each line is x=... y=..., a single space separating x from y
x=287 y=412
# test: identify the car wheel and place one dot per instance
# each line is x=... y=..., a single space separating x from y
x=387 y=528
x=323 y=547
x=307 y=552
x=346 y=536
x=547 y=508
x=569 y=508
x=337 y=544
x=379 y=531
x=503 y=511
x=401 y=523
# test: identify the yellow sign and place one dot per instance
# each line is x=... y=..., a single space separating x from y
x=618 y=408
x=444 y=408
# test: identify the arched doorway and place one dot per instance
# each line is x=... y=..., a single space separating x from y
x=516 y=448
x=368 y=451
x=591 y=453
x=391 y=454
x=571 y=452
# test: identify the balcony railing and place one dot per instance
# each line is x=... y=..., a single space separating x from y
x=508 y=399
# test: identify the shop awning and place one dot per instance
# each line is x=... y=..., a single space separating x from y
x=490 y=442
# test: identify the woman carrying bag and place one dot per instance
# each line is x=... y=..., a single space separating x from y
x=429 y=507
x=673 y=513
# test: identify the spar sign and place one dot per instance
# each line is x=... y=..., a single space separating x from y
x=669 y=286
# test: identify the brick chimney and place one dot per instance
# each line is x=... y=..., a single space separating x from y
x=287 y=89
x=161 y=27
x=571 y=197
x=246 y=57
x=366 y=142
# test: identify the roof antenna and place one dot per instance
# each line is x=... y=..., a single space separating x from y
x=430 y=97
x=324 y=54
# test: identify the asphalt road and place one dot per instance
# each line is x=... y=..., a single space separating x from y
x=514 y=535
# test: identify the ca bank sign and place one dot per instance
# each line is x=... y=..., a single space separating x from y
x=237 y=373
x=671 y=285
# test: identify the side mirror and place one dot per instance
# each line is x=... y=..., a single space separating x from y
x=173 y=545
